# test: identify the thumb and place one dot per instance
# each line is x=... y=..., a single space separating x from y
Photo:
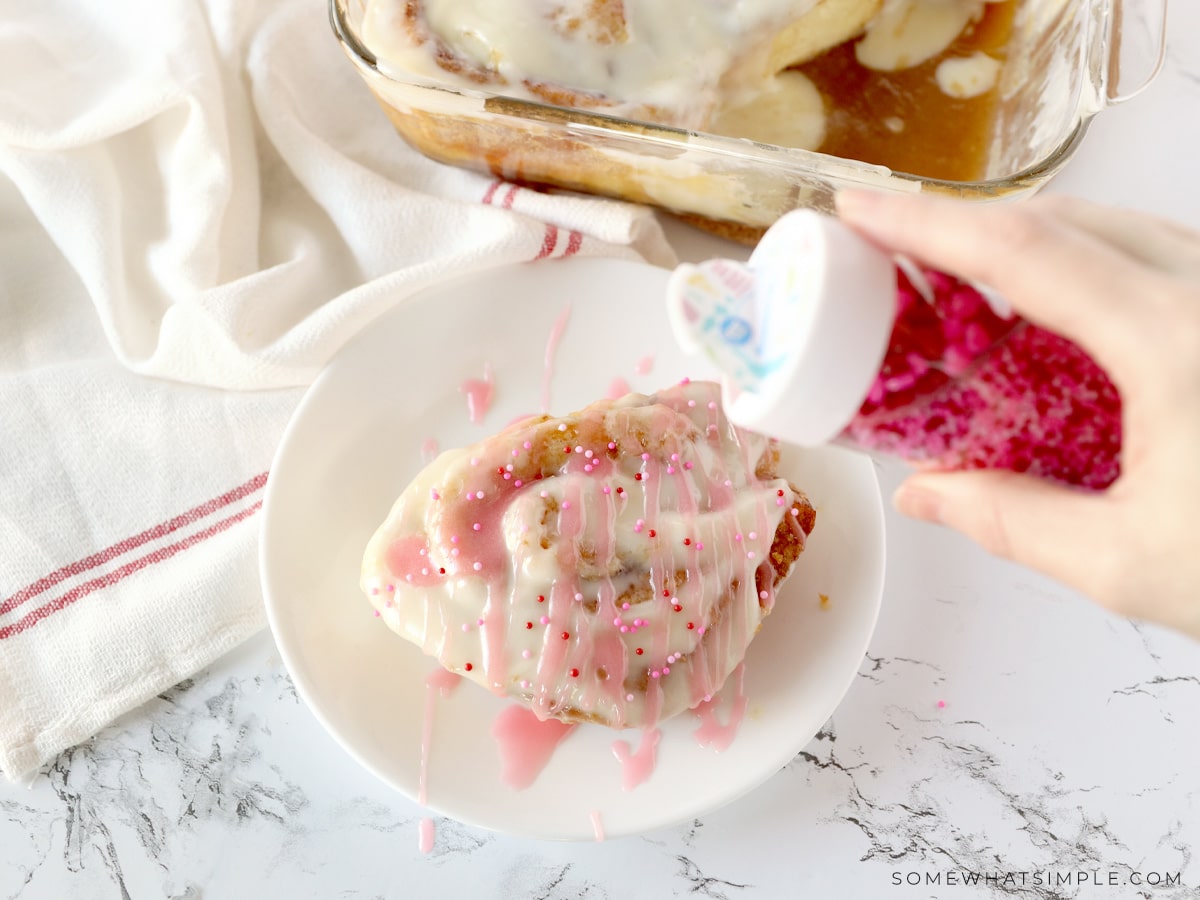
x=1052 y=528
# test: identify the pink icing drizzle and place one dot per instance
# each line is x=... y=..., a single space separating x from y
x=552 y=342
x=711 y=732
x=479 y=394
x=526 y=744
x=637 y=767
x=429 y=450
x=619 y=388
x=439 y=682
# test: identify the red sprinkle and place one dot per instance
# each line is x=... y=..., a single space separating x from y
x=666 y=593
x=441 y=571
x=653 y=533
x=566 y=635
x=678 y=608
x=638 y=651
x=468 y=667
x=574 y=673
x=779 y=492
x=691 y=624
x=529 y=625
x=620 y=490
x=637 y=476
x=541 y=599
x=687 y=542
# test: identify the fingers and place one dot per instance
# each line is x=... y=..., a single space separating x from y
x=1056 y=530
x=1058 y=276
x=1159 y=243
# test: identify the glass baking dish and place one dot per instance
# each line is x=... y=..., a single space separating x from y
x=1067 y=61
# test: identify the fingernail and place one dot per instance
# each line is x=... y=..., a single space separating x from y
x=918 y=502
x=856 y=204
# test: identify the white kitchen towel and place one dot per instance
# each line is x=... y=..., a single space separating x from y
x=200 y=203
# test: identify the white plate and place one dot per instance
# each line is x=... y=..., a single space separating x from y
x=356 y=440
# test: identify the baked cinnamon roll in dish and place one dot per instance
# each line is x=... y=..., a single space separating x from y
x=609 y=566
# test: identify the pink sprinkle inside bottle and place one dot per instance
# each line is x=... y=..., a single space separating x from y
x=821 y=336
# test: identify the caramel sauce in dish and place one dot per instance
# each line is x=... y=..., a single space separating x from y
x=905 y=119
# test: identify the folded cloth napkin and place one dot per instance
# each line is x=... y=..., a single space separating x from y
x=200 y=204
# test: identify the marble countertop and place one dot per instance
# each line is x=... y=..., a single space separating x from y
x=1066 y=748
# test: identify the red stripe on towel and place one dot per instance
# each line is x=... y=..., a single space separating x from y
x=107 y=580
x=573 y=245
x=549 y=242
x=122 y=547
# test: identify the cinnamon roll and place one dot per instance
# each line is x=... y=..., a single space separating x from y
x=609 y=566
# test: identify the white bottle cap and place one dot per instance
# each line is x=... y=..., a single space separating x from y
x=799 y=332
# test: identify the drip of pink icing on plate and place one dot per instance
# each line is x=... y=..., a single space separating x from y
x=618 y=389
x=552 y=342
x=597 y=826
x=526 y=744
x=439 y=683
x=639 y=766
x=645 y=365
x=479 y=394
x=429 y=450
x=711 y=732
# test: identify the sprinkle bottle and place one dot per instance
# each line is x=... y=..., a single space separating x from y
x=823 y=337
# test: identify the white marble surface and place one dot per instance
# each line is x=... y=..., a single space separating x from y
x=1068 y=741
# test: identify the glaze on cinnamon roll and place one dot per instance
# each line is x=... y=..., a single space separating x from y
x=609 y=566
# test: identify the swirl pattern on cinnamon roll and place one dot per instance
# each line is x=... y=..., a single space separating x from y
x=608 y=566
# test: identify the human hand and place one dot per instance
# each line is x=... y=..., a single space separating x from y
x=1125 y=287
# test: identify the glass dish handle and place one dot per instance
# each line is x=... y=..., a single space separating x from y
x=1139 y=47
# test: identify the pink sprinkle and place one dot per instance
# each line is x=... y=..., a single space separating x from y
x=588 y=454
x=587 y=468
x=666 y=670
x=670 y=470
x=751 y=555
x=691 y=404
x=377 y=614
x=453 y=552
x=477 y=566
x=712 y=404
x=612 y=445
x=479 y=495
x=686 y=381
x=638 y=623
x=617 y=622
x=454 y=539
x=479 y=622
x=699 y=545
x=545 y=620
x=674 y=457
x=515 y=452
x=941 y=704
x=566 y=504
x=763 y=595
x=708 y=698
x=645 y=457
x=624 y=606
x=578 y=597
x=738 y=538
x=422 y=552
x=543 y=494
x=508 y=476
x=688 y=466
x=527 y=445
x=578 y=449
x=509 y=467
x=638 y=525
x=624 y=629
x=408 y=578
x=517 y=483
x=754 y=535
x=728 y=483
x=655 y=673
x=391 y=588
x=434 y=494
x=424 y=571
x=524 y=682
x=606 y=490
x=477 y=527
x=629 y=697
x=474 y=460
x=795 y=512
x=466 y=627
x=374 y=590
x=700 y=631
x=562 y=427
x=779 y=501
x=525 y=654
